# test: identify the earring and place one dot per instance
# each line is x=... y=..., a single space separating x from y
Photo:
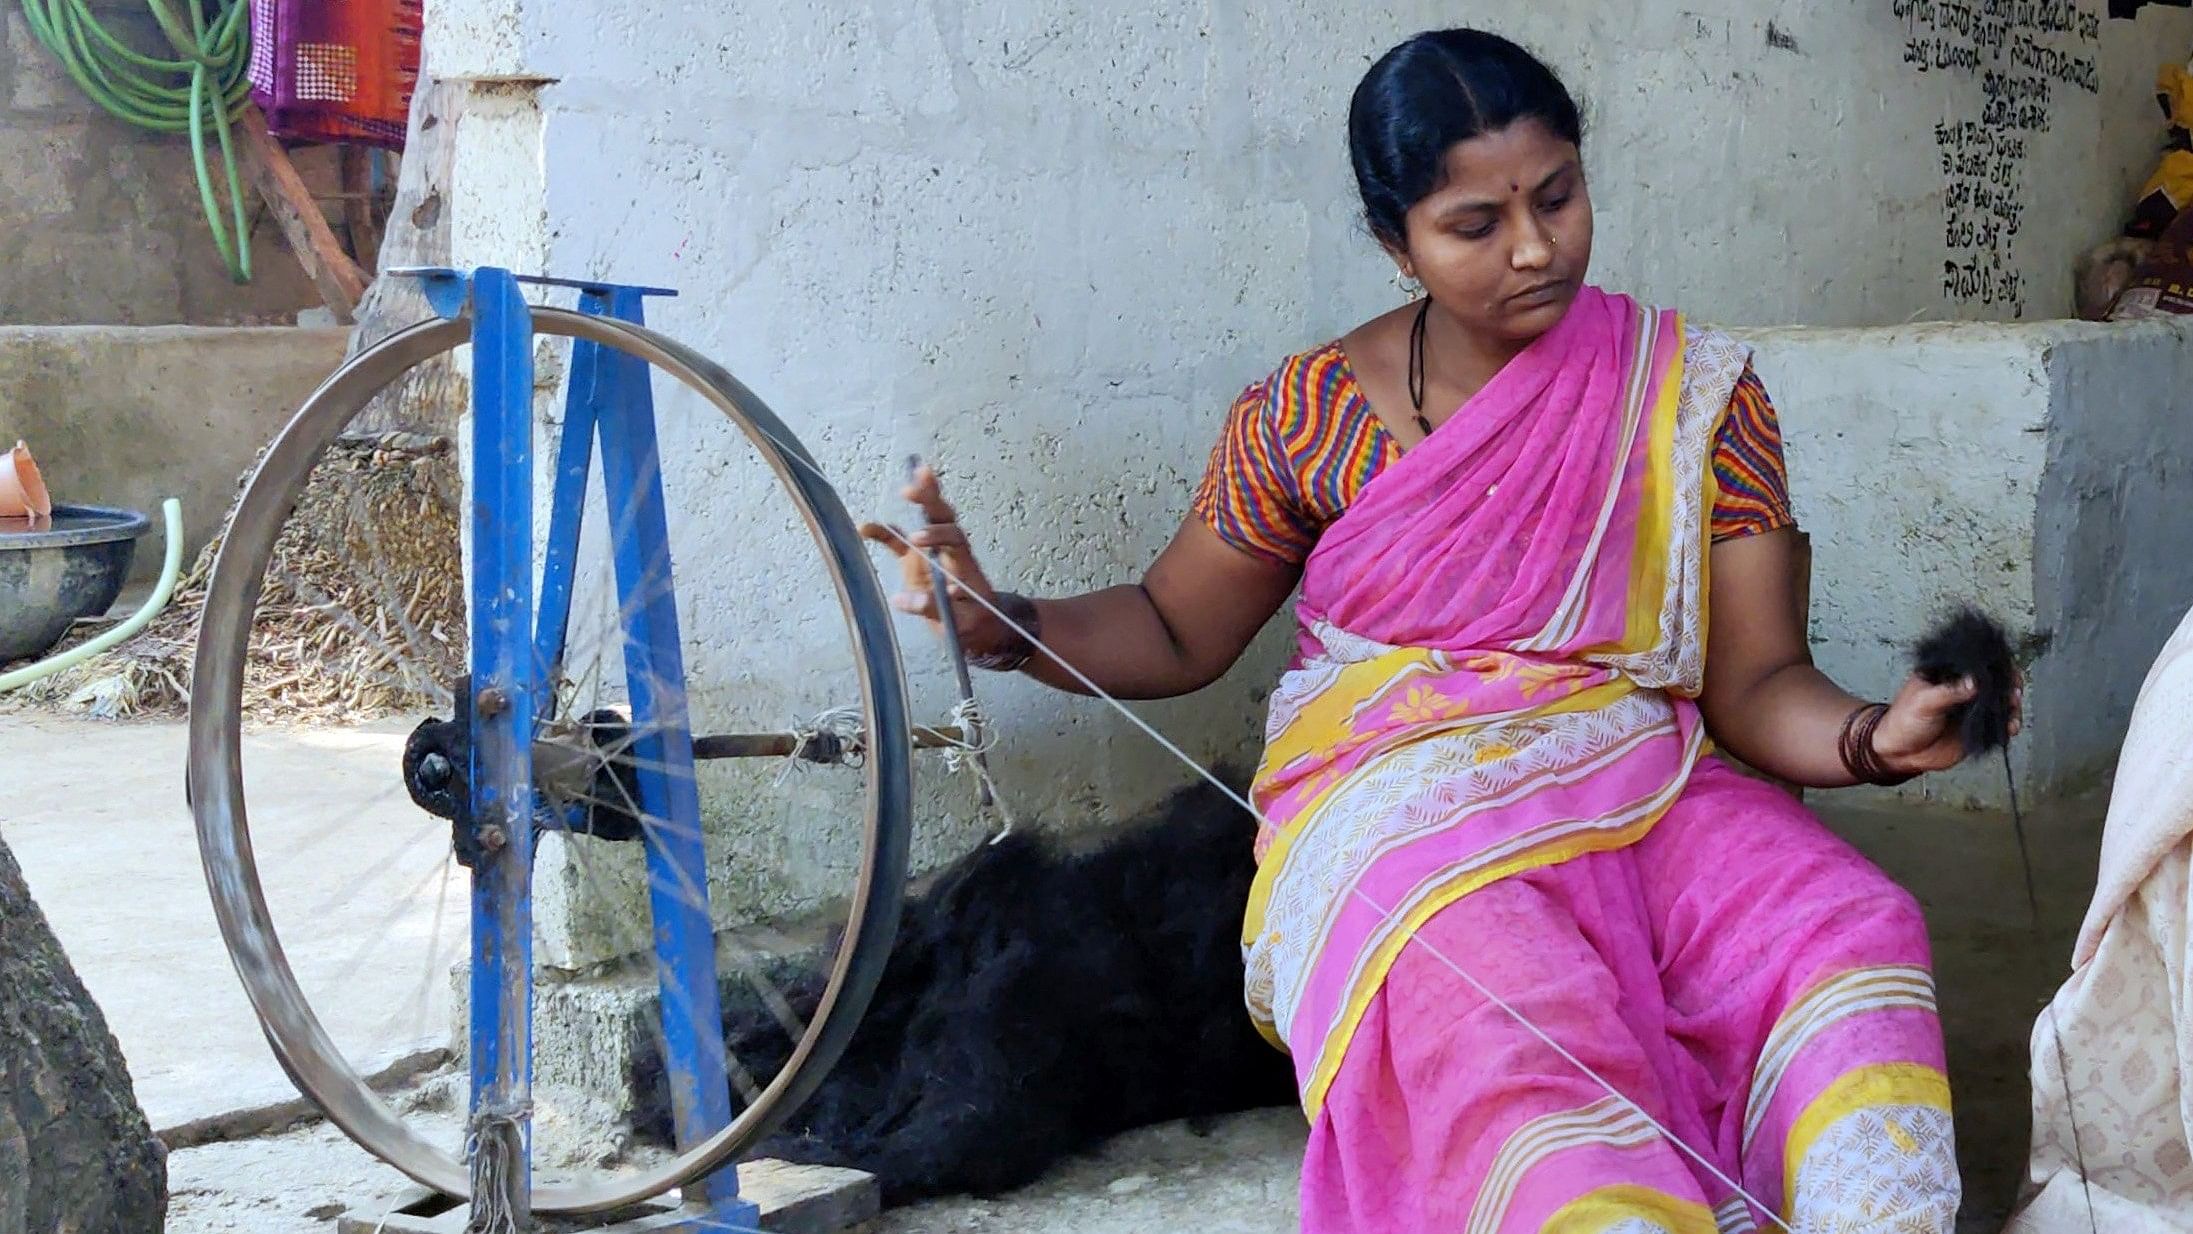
x=1408 y=285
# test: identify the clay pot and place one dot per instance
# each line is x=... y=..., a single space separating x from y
x=22 y=490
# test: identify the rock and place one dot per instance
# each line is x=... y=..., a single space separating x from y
x=1130 y=1184
x=76 y=1154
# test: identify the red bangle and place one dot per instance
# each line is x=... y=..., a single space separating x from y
x=1860 y=758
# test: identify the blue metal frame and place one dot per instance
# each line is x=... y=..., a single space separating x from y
x=517 y=646
x=502 y=686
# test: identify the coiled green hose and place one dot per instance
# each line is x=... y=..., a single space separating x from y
x=203 y=88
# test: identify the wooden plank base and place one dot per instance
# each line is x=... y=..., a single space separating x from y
x=794 y=1199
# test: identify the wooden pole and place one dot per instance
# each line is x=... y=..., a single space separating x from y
x=361 y=210
x=340 y=281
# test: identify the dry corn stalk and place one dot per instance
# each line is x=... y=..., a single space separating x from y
x=362 y=614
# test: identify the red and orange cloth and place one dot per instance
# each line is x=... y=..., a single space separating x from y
x=336 y=70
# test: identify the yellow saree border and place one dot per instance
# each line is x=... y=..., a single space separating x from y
x=1877 y=1084
x=1710 y=488
x=1655 y=519
x=1275 y=858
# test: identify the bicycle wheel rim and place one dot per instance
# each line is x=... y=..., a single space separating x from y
x=214 y=777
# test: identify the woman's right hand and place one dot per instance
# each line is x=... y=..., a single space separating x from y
x=981 y=634
x=1187 y=621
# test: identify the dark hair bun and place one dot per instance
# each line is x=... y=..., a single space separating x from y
x=1431 y=92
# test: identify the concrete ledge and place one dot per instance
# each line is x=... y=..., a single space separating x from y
x=127 y=415
x=2032 y=469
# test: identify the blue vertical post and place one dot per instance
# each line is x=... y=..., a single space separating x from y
x=567 y=513
x=502 y=685
x=677 y=868
x=573 y=467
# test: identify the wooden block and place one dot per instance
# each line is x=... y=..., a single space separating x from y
x=794 y=1199
x=810 y=1199
x=414 y=1210
x=361 y=212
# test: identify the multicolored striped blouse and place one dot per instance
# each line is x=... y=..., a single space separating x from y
x=1300 y=444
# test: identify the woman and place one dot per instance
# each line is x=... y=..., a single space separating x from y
x=2113 y=1053
x=1484 y=786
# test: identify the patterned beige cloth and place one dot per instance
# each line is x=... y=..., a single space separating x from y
x=2126 y=1013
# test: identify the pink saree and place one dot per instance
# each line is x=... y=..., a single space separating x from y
x=1483 y=777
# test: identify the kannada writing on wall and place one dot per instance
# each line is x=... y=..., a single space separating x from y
x=2020 y=56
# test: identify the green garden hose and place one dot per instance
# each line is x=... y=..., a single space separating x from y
x=203 y=88
x=171 y=569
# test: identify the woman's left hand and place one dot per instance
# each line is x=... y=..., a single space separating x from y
x=1918 y=734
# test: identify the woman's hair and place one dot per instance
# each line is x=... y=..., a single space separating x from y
x=1439 y=88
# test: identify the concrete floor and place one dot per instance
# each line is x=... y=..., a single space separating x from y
x=1237 y=1177
x=1995 y=967
x=95 y=814
x=296 y=1183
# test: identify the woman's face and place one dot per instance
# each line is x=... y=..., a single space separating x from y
x=1503 y=242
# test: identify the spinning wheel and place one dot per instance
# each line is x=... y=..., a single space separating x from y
x=535 y=734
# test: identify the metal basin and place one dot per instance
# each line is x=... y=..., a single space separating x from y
x=69 y=567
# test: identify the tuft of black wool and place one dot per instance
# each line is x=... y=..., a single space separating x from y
x=1038 y=1000
x=1970 y=644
